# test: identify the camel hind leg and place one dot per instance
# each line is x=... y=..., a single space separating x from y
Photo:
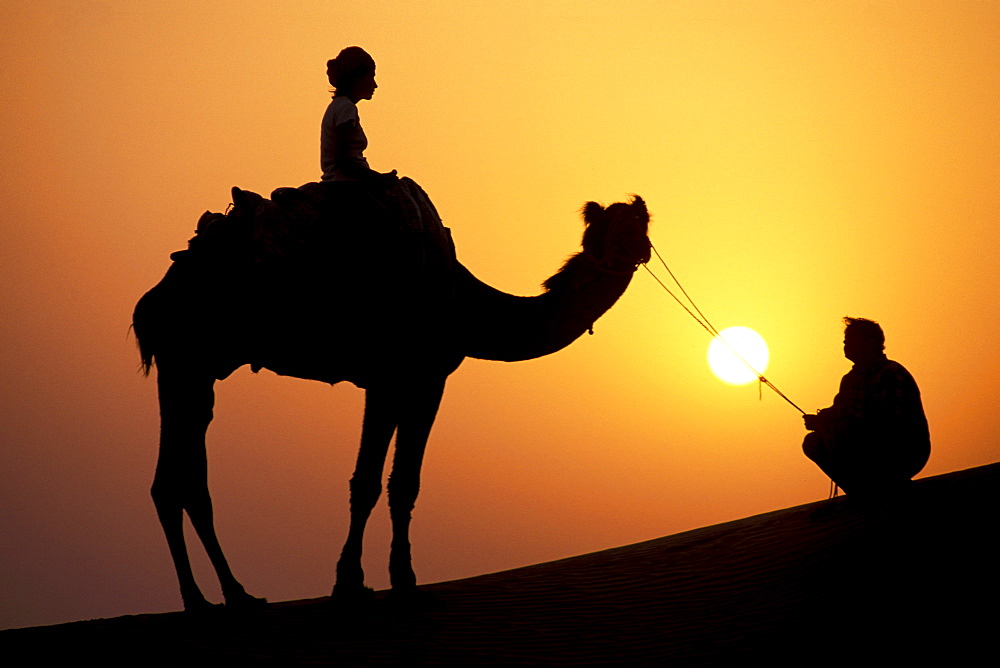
x=181 y=481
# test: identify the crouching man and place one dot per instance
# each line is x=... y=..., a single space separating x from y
x=874 y=438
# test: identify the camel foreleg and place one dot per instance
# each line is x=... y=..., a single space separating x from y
x=404 y=484
x=366 y=486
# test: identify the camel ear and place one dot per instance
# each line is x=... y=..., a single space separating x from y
x=638 y=201
x=591 y=212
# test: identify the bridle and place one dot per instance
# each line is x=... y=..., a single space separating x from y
x=616 y=263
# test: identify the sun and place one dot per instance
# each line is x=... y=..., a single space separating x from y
x=727 y=366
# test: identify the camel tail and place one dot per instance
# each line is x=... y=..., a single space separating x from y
x=140 y=320
x=146 y=358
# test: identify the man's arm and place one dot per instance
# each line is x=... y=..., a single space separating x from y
x=825 y=419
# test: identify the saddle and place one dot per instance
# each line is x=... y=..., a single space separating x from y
x=339 y=221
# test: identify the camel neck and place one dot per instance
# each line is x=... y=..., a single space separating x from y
x=495 y=325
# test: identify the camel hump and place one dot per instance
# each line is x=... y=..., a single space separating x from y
x=315 y=219
x=418 y=213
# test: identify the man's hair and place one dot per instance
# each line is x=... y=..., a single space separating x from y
x=864 y=328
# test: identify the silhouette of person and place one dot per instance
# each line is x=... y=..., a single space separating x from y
x=342 y=140
x=355 y=187
x=874 y=438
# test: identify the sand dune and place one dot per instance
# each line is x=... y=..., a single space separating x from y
x=913 y=578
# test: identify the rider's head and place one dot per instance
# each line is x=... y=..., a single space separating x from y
x=352 y=69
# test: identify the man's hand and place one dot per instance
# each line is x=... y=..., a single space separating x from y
x=812 y=422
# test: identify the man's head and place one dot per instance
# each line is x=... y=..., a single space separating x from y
x=863 y=339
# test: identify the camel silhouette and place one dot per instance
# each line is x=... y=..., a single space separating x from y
x=349 y=294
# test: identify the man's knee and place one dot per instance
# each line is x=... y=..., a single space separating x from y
x=812 y=446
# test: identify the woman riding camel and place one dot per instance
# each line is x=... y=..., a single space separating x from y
x=342 y=141
x=342 y=157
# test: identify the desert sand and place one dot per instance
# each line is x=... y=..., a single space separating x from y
x=912 y=578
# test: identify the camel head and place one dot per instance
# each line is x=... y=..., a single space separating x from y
x=616 y=237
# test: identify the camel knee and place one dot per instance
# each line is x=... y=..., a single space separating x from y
x=169 y=508
x=364 y=493
x=166 y=496
x=402 y=494
x=178 y=492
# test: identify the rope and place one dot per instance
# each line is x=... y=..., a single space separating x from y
x=711 y=328
x=704 y=322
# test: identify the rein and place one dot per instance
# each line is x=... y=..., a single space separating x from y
x=709 y=327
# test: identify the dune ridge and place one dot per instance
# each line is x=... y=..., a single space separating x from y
x=817 y=584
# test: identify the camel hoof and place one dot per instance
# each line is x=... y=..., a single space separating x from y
x=401 y=575
x=244 y=601
x=200 y=606
x=351 y=595
x=409 y=598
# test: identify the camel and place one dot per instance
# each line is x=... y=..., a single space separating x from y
x=362 y=300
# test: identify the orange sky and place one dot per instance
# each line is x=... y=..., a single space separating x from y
x=802 y=161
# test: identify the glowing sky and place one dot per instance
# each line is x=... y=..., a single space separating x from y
x=802 y=160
